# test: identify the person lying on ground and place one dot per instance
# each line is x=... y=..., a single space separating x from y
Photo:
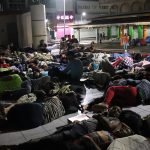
x=125 y=96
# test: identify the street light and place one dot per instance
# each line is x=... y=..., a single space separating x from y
x=83 y=15
x=64 y=17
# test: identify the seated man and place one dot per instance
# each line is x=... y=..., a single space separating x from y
x=42 y=46
x=91 y=48
x=74 y=40
x=73 y=71
x=74 y=68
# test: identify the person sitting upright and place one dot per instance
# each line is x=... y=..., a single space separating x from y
x=42 y=46
x=74 y=40
x=74 y=69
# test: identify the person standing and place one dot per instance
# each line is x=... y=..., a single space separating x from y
x=103 y=35
x=125 y=41
x=100 y=37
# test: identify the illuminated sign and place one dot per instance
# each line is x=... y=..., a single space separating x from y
x=67 y=17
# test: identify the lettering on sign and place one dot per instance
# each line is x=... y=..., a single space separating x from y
x=92 y=7
x=67 y=17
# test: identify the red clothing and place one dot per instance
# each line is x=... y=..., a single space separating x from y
x=122 y=95
x=117 y=62
x=4 y=65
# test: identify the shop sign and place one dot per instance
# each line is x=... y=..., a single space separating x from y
x=92 y=7
x=69 y=17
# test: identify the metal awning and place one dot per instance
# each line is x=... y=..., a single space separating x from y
x=124 y=19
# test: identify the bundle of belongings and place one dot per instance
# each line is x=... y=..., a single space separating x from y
x=102 y=131
x=38 y=91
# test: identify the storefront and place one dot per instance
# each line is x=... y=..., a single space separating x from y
x=69 y=17
x=135 y=25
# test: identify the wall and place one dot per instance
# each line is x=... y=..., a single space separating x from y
x=4 y=20
x=24 y=29
x=23 y=33
x=92 y=8
x=111 y=7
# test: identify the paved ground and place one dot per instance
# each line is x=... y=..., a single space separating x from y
x=114 y=46
x=15 y=138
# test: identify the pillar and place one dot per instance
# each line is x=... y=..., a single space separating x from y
x=97 y=35
x=121 y=31
x=38 y=18
x=140 y=31
x=144 y=31
x=118 y=32
x=79 y=35
x=109 y=32
x=131 y=32
x=121 y=34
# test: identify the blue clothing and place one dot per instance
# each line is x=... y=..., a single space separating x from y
x=116 y=55
x=26 y=116
x=74 y=69
x=44 y=73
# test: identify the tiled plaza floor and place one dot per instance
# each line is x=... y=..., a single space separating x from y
x=15 y=138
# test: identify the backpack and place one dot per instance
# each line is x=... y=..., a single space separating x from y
x=107 y=123
x=101 y=78
x=146 y=126
x=132 y=119
x=115 y=126
x=122 y=130
x=70 y=102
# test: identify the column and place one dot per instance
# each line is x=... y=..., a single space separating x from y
x=140 y=31
x=97 y=35
x=109 y=32
x=118 y=32
x=121 y=31
x=79 y=34
x=131 y=32
x=38 y=18
x=121 y=34
x=144 y=31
